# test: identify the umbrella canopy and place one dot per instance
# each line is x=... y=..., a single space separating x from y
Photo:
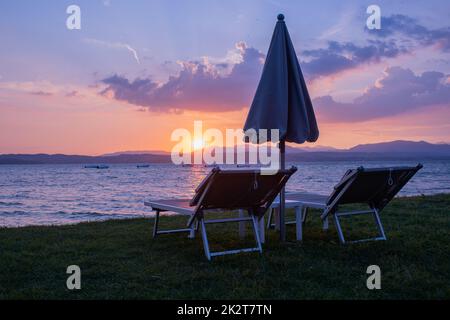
x=282 y=101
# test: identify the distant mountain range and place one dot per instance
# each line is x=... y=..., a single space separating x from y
x=398 y=146
x=318 y=149
x=403 y=146
x=156 y=152
x=394 y=150
x=76 y=159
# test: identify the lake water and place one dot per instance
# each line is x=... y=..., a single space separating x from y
x=61 y=194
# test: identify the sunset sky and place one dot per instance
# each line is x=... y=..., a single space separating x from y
x=137 y=70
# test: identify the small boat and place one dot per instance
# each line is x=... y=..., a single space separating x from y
x=96 y=166
x=142 y=166
x=210 y=165
x=187 y=164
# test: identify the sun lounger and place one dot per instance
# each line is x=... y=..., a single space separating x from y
x=236 y=189
x=372 y=187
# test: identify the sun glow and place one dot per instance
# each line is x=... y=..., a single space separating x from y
x=198 y=144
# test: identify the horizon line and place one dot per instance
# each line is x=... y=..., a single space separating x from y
x=164 y=152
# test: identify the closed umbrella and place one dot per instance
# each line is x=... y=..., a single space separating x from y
x=282 y=101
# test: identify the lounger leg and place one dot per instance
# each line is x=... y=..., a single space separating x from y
x=255 y=229
x=325 y=224
x=299 y=222
x=252 y=219
x=339 y=229
x=242 y=225
x=277 y=219
x=155 y=227
x=376 y=216
x=305 y=214
x=262 y=233
x=269 y=219
x=194 y=228
x=379 y=225
x=205 y=239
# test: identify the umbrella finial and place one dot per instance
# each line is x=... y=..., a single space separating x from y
x=280 y=17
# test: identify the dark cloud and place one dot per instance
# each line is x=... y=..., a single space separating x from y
x=338 y=56
x=408 y=27
x=398 y=92
x=198 y=86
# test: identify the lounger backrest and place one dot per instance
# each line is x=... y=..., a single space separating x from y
x=375 y=187
x=239 y=189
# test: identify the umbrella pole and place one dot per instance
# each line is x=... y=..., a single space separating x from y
x=282 y=194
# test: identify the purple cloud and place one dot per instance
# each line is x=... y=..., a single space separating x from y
x=199 y=86
x=227 y=86
x=408 y=27
x=398 y=92
x=338 y=57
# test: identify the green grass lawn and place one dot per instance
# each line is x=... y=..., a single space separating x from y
x=120 y=260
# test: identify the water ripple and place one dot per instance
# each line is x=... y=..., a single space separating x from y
x=64 y=194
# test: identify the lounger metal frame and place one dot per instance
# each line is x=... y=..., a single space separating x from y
x=201 y=224
x=376 y=202
x=385 y=193
x=272 y=225
x=157 y=231
x=376 y=215
x=209 y=254
x=336 y=216
x=305 y=206
x=197 y=220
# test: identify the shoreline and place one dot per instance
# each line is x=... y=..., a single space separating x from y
x=150 y=215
